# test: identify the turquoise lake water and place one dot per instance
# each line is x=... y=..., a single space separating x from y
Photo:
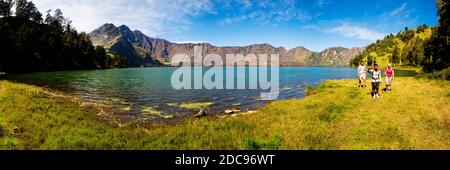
x=139 y=88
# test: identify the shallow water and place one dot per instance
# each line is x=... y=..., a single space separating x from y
x=139 y=89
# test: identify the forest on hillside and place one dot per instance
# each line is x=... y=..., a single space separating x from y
x=405 y=48
x=423 y=46
x=31 y=42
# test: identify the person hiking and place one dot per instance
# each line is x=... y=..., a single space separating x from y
x=376 y=80
x=389 y=72
x=362 y=72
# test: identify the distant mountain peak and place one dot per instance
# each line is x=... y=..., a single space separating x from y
x=137 y=32
x=300 y=48
x=105 y=33
x=108 y=25
x=336 y=48
x=127 y=33
x=105 y=28
x=124 y=27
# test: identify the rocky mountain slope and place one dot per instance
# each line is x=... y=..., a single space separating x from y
x=334 y=56
x=140 y=49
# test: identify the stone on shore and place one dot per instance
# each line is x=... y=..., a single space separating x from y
x=201 y=113
x=233 y=111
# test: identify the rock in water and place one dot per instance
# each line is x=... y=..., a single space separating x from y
x=229 y=112
x=234 y=111
x=201 y=113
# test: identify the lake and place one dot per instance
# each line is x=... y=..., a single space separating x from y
x=138 y=89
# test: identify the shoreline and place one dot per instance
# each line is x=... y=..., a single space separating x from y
x=116 y=115
x=107 y=108
x=168 y=66
x=330 y=118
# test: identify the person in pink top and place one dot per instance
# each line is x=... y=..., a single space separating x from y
x=389 y=72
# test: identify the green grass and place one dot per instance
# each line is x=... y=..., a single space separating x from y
x=409 y=68
x=415 y=115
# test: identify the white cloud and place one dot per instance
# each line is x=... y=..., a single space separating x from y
x=398 y=18
x=267 y=12
x=246 y=3
x=369 y=27
x=311 y=26
x=397 y=10
x=153 y=17
x=233 y=20
x=321 y=3
x=303 y=15
x=351 y=31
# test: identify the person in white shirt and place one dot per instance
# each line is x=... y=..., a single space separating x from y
x=362 y=72
x=376 y=81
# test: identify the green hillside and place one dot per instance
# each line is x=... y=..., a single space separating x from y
x=405 y=48
x=424 y=46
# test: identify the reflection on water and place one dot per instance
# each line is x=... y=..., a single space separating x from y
x=148 y=91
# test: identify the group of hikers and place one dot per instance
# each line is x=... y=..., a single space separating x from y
x=375 y=71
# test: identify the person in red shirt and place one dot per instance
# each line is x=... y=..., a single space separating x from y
x=389 y=72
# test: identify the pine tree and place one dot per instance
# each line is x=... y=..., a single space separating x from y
x=395 y=59
x=28 y=44
x=5 y=8
x=436 y=49
x=27 y=10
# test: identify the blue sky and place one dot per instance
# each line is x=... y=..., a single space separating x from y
x=314 y=24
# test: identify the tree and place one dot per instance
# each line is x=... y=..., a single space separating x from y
x=27 y=10
x=422 y=28
x=101 y=57
x=48 y=17
x=36 y=16
x=404 y=54
x=418 y=52
x=370 y=60
x=436 y=49
x=58 y=17
x=5 y=7
x=407 y=35
x=395 y=58
x=56 y=21
x=355 y=61
x=28 y=44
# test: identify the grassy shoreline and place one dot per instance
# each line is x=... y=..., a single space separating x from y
x=415 y=115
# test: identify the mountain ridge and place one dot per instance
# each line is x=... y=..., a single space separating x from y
x=150 y=51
